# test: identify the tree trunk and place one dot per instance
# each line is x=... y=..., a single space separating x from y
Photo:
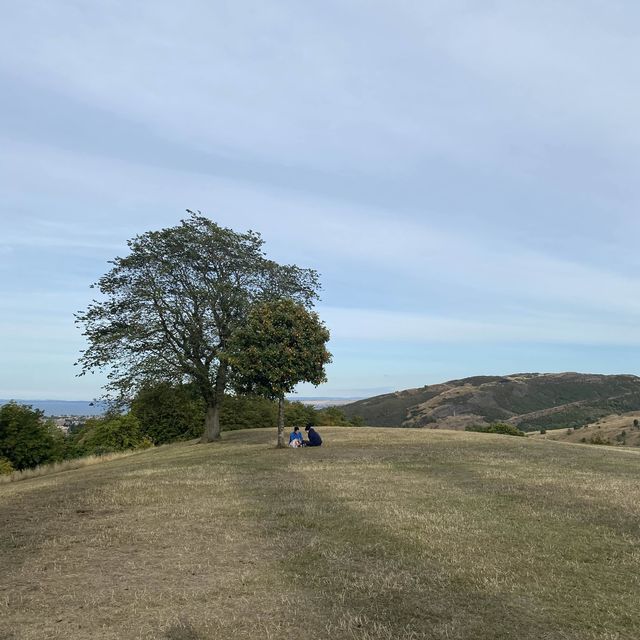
x=281 y=443
x=211 y=423
x=212 y=418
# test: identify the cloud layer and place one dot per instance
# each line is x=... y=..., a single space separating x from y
x=463 y=174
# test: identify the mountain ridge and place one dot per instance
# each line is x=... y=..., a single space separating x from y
x=529 y=401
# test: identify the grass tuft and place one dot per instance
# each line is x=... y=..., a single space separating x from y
x=64 y=465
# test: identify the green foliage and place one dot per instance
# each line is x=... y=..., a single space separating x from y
x=497 y=427
x=297 y=413
x=169 y=308
x=168 y=412
x=280 y=345
x=247 y=412
x=598 y=439
x=111 y=433
x=5 y=467
x=333 y=416
x=356 y=421
x=26 y=439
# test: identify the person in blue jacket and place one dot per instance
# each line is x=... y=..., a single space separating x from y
x=295 y=438
x=314 y=437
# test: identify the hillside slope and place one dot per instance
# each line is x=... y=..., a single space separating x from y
x=380 y=534
x=616 y=430
x=529 y=400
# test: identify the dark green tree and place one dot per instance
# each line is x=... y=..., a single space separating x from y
x=168 y=412
x=296 y=413
x=109 y=434
x=170 y=307
x=247 y=412
x=26 y=439
x=280 y=345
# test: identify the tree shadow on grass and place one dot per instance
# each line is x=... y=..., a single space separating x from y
x=182 y=630
x=364 y=580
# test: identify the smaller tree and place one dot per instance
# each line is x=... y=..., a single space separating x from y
x=26 y=438
x=111 y=433
x=280 y=345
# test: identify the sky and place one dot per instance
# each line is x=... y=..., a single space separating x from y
x=463 y=174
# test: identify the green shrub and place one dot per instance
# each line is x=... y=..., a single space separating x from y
x=5 y=467
x=598 y=439
x=168 y=412
x=497 y=427
x=111 y=434
x=26 y=438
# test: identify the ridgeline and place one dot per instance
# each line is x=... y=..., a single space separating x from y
x=530 y=401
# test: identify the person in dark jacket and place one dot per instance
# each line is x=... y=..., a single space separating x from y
x=314 y=437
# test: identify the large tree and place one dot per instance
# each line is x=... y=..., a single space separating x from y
x=280 y=345
x=170 y=307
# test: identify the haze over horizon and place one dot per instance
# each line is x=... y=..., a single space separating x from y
x=463 y=175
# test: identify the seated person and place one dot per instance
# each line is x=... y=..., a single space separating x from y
x=295 y=437
x=314 y=437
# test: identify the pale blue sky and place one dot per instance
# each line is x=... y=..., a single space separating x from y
x=463 y=174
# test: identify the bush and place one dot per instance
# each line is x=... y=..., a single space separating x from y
x=168 y=412
x=497 y=427
x=5 y=467
x=26 y=438
x=598 y=439
x=111 y=434
x=332 y=416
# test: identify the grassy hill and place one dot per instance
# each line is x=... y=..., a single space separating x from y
x=618 y=430
x=528 y=400
x=381 y=534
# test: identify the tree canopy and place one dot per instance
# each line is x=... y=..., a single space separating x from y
x=26 y=438
x=280 y=345
x=169 y=308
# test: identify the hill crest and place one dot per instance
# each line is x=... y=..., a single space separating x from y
x=528 y=400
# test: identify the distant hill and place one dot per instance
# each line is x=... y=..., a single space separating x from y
x=529 y=400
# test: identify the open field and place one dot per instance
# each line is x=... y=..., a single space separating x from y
x=382 y=534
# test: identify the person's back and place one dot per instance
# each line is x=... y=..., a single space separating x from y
x=314 y=437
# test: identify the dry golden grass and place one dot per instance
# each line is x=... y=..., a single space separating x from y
x=616 y=429
x=381 y=534
x=64 y=465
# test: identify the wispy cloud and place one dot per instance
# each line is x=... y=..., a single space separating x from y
x=461 y=173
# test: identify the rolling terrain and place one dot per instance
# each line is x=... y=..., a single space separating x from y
x=617 y=430
x=381 y=534
x=530 y=401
